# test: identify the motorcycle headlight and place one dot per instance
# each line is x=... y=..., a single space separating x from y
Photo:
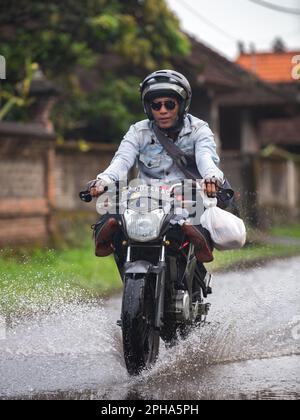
x=144 y=227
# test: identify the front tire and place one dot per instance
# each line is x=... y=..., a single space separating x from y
x=140 y=339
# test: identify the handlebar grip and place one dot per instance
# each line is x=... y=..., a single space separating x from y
x=85 y=196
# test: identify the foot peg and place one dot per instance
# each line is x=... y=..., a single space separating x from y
x=203 y=309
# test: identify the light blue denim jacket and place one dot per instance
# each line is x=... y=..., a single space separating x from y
x=140 y=146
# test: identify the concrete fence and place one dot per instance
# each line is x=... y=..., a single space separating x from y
x=39 y=178
x=73 y=168
x=268 y=187
x=26 y=194
x=278 y=185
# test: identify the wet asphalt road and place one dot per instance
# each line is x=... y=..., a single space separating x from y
x=250 y=349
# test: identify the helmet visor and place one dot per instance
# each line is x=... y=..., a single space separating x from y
x=157 y=90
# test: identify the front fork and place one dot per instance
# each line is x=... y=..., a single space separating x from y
x=160 y=289
x=160 y=272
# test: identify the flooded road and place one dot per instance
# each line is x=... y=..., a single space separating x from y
x=250 y=348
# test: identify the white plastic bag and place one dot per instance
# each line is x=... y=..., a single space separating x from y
x=227 y=231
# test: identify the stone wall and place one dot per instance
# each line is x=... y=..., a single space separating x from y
x=74 y=168
x=40 y=179
x=25 y=184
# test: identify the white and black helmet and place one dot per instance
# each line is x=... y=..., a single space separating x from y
x=166 y=83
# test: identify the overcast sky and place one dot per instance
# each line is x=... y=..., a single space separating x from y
x=238 y=20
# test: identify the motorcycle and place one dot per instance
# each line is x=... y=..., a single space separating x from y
x=165 y=287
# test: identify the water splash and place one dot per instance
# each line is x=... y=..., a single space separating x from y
x=247 y=350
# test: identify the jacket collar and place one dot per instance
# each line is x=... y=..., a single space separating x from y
x=187 y=128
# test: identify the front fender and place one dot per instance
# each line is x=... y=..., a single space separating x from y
x=144 y=267
x=138 y=267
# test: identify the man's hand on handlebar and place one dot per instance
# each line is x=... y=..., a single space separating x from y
x=211 y=187
x=96 y=188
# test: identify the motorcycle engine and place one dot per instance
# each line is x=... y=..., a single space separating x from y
x=182 y=306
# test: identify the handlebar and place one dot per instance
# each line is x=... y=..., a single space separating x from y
x=86 y=196
x=195 y=185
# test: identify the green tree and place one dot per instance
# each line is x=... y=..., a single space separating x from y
x=97 y=50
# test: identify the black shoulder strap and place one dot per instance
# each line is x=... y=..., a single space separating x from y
x=187 y=164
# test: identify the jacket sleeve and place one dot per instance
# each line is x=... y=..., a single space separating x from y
x=124 y=158
x=206 y=154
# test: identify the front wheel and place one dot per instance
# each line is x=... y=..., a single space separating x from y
x=140 y=339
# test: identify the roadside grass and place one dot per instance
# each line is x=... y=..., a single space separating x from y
x=31 y=281
x=289 y=231
x=253 y=254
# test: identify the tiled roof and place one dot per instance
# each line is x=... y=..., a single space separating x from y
x=271 y=67
x=208 y=67
x=233 y=84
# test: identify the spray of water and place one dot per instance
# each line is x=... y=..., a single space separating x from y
x=73 y=349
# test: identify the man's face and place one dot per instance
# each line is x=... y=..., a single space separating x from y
x=165 y=111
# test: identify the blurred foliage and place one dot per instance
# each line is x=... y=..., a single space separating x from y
x=21 y=97
x=96 y=50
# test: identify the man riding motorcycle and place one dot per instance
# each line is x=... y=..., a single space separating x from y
x=166 y=97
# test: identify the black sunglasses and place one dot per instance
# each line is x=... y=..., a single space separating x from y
x=169 y=105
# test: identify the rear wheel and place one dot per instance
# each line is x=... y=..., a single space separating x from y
x=140 y=339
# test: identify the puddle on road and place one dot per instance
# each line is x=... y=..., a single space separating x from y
x=249 y=349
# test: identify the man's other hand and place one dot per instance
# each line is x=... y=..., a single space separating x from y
x=96 y=188
x=212 y=186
